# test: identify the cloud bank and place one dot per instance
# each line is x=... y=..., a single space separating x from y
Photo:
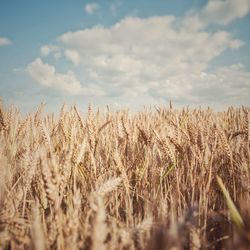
x=164 y=57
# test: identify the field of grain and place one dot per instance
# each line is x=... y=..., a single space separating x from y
x=162 y=178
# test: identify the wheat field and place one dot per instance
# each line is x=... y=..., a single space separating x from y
x=160 y=178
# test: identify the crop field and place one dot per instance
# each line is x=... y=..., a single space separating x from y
x=160 y=178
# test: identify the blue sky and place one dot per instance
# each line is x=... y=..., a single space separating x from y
x=124 y=53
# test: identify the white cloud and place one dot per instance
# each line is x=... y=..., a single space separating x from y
x=224 y=11
x=46 y=50
x=47 y=76
x=90 y=8
x=4 y=41
x=73 y=56
x=158 y=56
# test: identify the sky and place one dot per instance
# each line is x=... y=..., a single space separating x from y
x=124 y=53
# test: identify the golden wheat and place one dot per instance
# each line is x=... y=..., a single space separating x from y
x=117 y=180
